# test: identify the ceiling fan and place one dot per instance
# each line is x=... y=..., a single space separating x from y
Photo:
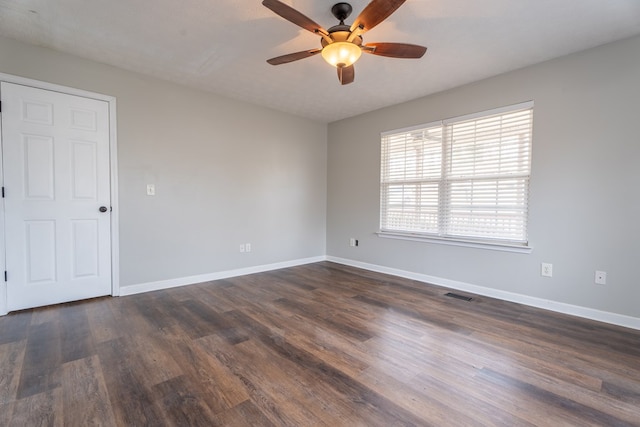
x=342 y=44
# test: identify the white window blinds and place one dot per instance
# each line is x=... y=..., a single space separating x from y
x=463 y=178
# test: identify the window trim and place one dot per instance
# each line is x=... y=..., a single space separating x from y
x=513 y=107
x=497 y=245
x=488 y=243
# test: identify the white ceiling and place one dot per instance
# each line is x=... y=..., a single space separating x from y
x=221 y=45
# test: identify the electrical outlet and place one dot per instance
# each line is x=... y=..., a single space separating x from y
x=242 y=248
x=546 y=269
x=352 y=242
x=601 y=277
x=247 y=247
x=151 y=190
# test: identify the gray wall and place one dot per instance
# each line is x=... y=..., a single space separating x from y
x=225 y=172
x=584 y=200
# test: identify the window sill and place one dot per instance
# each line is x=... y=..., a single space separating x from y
x=495 y=246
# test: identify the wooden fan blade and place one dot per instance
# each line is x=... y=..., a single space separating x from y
x=293 y=56
x=292 y=15
x=346 y=75
x=395 y=50
x=375 y=12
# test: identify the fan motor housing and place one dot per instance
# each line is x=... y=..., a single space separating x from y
x=340 y=33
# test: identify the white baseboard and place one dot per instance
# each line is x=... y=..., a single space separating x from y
x=587 y=313
x=191 y=280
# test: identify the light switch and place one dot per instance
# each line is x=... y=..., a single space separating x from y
x=151 y=190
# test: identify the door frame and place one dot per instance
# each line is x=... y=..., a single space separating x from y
x=113 y=172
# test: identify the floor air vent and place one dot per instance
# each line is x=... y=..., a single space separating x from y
x=462 y=297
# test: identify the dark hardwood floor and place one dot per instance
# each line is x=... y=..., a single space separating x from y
x=315 y=345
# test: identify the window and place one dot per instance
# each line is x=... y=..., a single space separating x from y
x=465 y=178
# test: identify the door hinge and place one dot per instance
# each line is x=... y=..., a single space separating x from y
x=5 y=276
x=3 y=192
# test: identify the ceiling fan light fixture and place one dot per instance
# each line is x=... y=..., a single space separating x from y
x=341 y=54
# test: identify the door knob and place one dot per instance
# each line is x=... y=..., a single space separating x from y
x=103 y=209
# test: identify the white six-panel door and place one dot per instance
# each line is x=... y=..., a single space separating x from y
x=56 y=179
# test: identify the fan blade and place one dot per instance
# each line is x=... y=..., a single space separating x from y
x=395 y=50
x=346 y=74
x=292 y=15
x=293 y=56
x=375 y=12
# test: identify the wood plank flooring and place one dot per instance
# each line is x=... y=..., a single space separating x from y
x=316 y=345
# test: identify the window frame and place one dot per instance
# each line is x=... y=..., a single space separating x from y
x=444 y=197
